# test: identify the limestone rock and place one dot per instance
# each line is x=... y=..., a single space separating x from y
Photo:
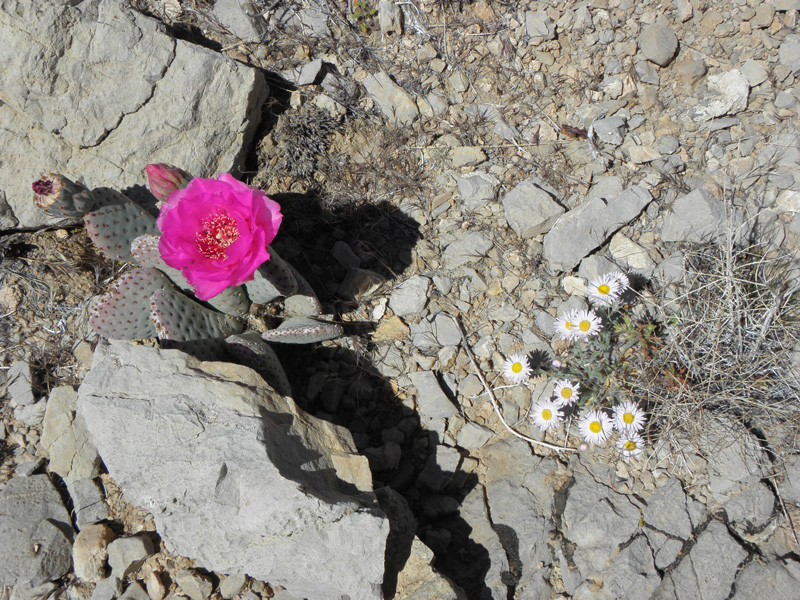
x=126 y=555
x=531 y=208
x=411 y=296
x=697 y=217
x=90 y=551
x=236 y=477
x=431 y=400
x=395 y=103
x=658 y=44
x=64 y=436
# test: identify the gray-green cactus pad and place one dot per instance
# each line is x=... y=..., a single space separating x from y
x=144 y=250
x=123 y=313
x=271 y=280
x=113 y=228
x=305 y=302
x=180 y=318
x=249 y=349
x=302 y=330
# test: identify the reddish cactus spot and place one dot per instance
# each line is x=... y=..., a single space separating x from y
x=219 y=232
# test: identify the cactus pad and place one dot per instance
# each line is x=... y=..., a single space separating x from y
x=123 y=313
x=105 y=196
x=180 y=318
x=113 y=228
x=144 y=250
x=302 y=330
x=249 y=349
x=59 y=196
x=305 y=302
x=272 y=279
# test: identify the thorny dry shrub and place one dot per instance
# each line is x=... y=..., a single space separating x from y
x=730 y=347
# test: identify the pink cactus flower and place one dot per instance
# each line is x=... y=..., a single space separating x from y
x=164 y=179
x=216 y=231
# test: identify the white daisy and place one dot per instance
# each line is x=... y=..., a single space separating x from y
x=630 y=444
x=566 y=392
x=628 y=417
x=595 y=426
x=604 y=290
x=517 y=369
x=622 y=280
x=577 y=325
x=545 y=414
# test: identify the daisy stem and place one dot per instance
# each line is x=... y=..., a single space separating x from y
x=494 y=400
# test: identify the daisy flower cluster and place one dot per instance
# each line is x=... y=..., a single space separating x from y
x=577 y=325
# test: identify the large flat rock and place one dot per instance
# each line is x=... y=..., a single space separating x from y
x=97 y=90
x=236 y=476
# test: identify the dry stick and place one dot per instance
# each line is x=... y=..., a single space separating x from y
x=494 y=400
x=786 y=513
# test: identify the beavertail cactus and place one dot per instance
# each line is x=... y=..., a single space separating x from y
x=196 y=266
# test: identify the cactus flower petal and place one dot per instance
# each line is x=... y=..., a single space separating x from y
x=216 y=232
x=164 y=179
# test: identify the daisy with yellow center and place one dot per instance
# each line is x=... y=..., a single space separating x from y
x=517 y=369
x=577 y=325
x=630 y=444
x=604 y=290
x=545 y=414
x=595 y=426
x=628 y=417
x=565 y=392
x=622 y=280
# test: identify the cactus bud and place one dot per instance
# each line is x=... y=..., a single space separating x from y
x=165 y=179
x=61 y=197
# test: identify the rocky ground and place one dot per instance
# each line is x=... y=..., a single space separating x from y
x=452 y=175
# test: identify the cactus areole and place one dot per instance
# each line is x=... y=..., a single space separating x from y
x=216 y=232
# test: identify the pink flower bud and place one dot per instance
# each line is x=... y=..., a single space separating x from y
x=165 y=179
x=556 y=364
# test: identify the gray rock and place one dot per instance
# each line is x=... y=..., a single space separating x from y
x=658 y=44
x=611 y=130
x=126 y=555
x=467 y=156
x=134 y=591
x=396 y=104
x=64 y=437
x=707 y=571
x=231 y=14
x=493 y=113
x=468 y=249
x=114 y=75
x=593 y=266
x=539 y=25
x=90 y=552
x=266 y=481
x=232 y=585
x=411 y=296
x=476 y=189
x=492 y=559
x=18 y=380
x=588 y=226
x=696 y=217
x=107 y=589
x=26 y=469
x=473 y=436
x=790 y=487
x=785 y=100
x=730 y=91
x=385 y=457
x=37 y=592
x=755 y=72
x=789 y=52
x=666 y=510
x=666 y=549
x=631 y=574
x=31 y=414
x=88 y=501
x=33 y=526
x=305 y=74
x=390 y=17
x=770 y=580
x=646 y=72
x=631 y=255
x=431 y=400
x=530 y=209
x=418 y=580
x=196 y=585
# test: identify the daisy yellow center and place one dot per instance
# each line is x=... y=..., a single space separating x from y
x=627 y=418
x=595 y=427
x=604 y=289
x=219 y=231
x=566 y=393
x=547 y=414
x=630 y=445
x=585 y=326
x=516 y=367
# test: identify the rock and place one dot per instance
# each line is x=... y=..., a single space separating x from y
x=790 y=487
x=194 y=584
x=754 y=71
x=411 y=296
x=64 y=437
x=385 y=457
x=114 y=75
x=360 y=283
x=731 y=90
x=586 y=227
x=266 y=481
x=439 y=468
x=232 y=585
x=631 y=255
x=88 y=501
x=434 y=331
x=344 y=255
x=691 y=71
x=27 y=469
x=391 y=329
x=476 y=189
x=707 y=571
x=231 y=14
x=539 y=25
x=666 y=510
x=789 y=52
x=155 y=586
x=107 y=589
x=531 y=208
x=37 y=592
x=658 y=44
x=593 y=266
x=19 y=382
x=611 y=130
x=631 y=574
x=90 y=551
x=697 y=217
x=31 y=514
x=770 y=580
x=395 y=103
x=134 y=591
x=31 y=414
x=431 y=400
x=640 y=155
x=646 y=72
x=473 y=436
x=466 y=156
x=419 y=581
x=466 y=250
x=390 y=17
x=305 y=74
x=126 y=555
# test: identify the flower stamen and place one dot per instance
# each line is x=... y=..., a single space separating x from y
x=219 y=231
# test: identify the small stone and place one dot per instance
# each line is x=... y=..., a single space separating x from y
x=126 y=555
x=395 y=103
x=685 y=10
x=642 y=154
x=390 y=17
x=18 y=380
x=539 y=25
x=28 y=468
x=789 y=52
x=344 y=255
x=232 y=585
x=134 y=591
x=785 y=100
x=754 y=71
x=468 y=249
x=611 y=130
x=107 y=589
x=631 y=255
x=155 y=587
x=646 y=72
x=473 y=436
x=732 y=92
x=458 y=82
x=431 y=400
x=476 y=189
x=466 y=156
x=90 y=551
x=690 y=72
x=658 y=44
x=530 y=208
x=392 y=329
x=31 y=414
x=411 y=296
x=765 y=13
x=64 y=436
x=575 y=286
x=385 y=457
x=88 y=500
x=196 y=585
